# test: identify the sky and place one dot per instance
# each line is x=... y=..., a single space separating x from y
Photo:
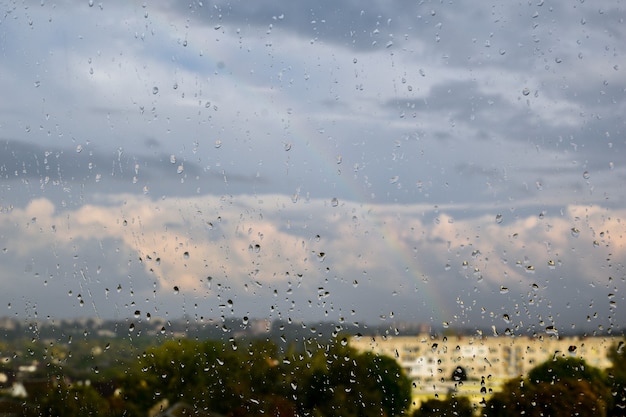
x=460 y=164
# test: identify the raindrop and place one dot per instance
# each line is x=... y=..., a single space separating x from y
x=499 y=218
x=137 y=314
x=551 y=330
x=163 y=330
x=334 y=202
x=176 y=289
x=287 y=147
x=186 y=255
x=586 y=175
x=131 y=328
x=526 y=91
x=172 y=159
x=503 y=290
x=218 y=143
x=79 y=148
x=155 y=90
x=575 y=231
x=180 y=169
x=551 y=264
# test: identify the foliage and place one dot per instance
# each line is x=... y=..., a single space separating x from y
x=617 y=378
x=259 y=380
x=454 y=406
x=73 y=400
x=557 y=387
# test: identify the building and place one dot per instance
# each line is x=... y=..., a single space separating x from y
x=488 y=362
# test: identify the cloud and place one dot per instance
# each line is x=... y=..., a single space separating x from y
x=328 y=157
x=246 y=245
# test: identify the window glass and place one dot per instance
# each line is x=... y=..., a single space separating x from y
x=449 y=172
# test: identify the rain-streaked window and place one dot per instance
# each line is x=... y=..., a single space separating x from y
x=289 y=208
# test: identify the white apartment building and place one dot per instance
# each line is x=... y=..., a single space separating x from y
x=487 y=361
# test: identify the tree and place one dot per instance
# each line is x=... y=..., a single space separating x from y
x=73 y=400
x=616 y=376
x=557 y=387
x=454 y=406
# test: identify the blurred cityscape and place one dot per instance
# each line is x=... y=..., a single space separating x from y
x=438 y=363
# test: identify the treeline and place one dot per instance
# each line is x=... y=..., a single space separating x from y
x=259 y=378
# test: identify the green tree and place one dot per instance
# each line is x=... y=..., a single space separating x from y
x=337 y=380
x=454 y=406
x=73 y=400
x=557 y=387
x=616 y=376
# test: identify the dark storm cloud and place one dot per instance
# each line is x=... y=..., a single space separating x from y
x=90 y=170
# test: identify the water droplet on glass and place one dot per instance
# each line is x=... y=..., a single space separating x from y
x=551 y=264
x=287 y=147
x=334 y=202
x=186 y=255
x=499 y=218
x=575 y=231
x=176 y=289
x=172 y=159
x=79 y=148
x=137 y=314
x=503 y=290
x=218 y=143
x=155 y=90
x=586 y=175
x=526 y=91
x=551 y=330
